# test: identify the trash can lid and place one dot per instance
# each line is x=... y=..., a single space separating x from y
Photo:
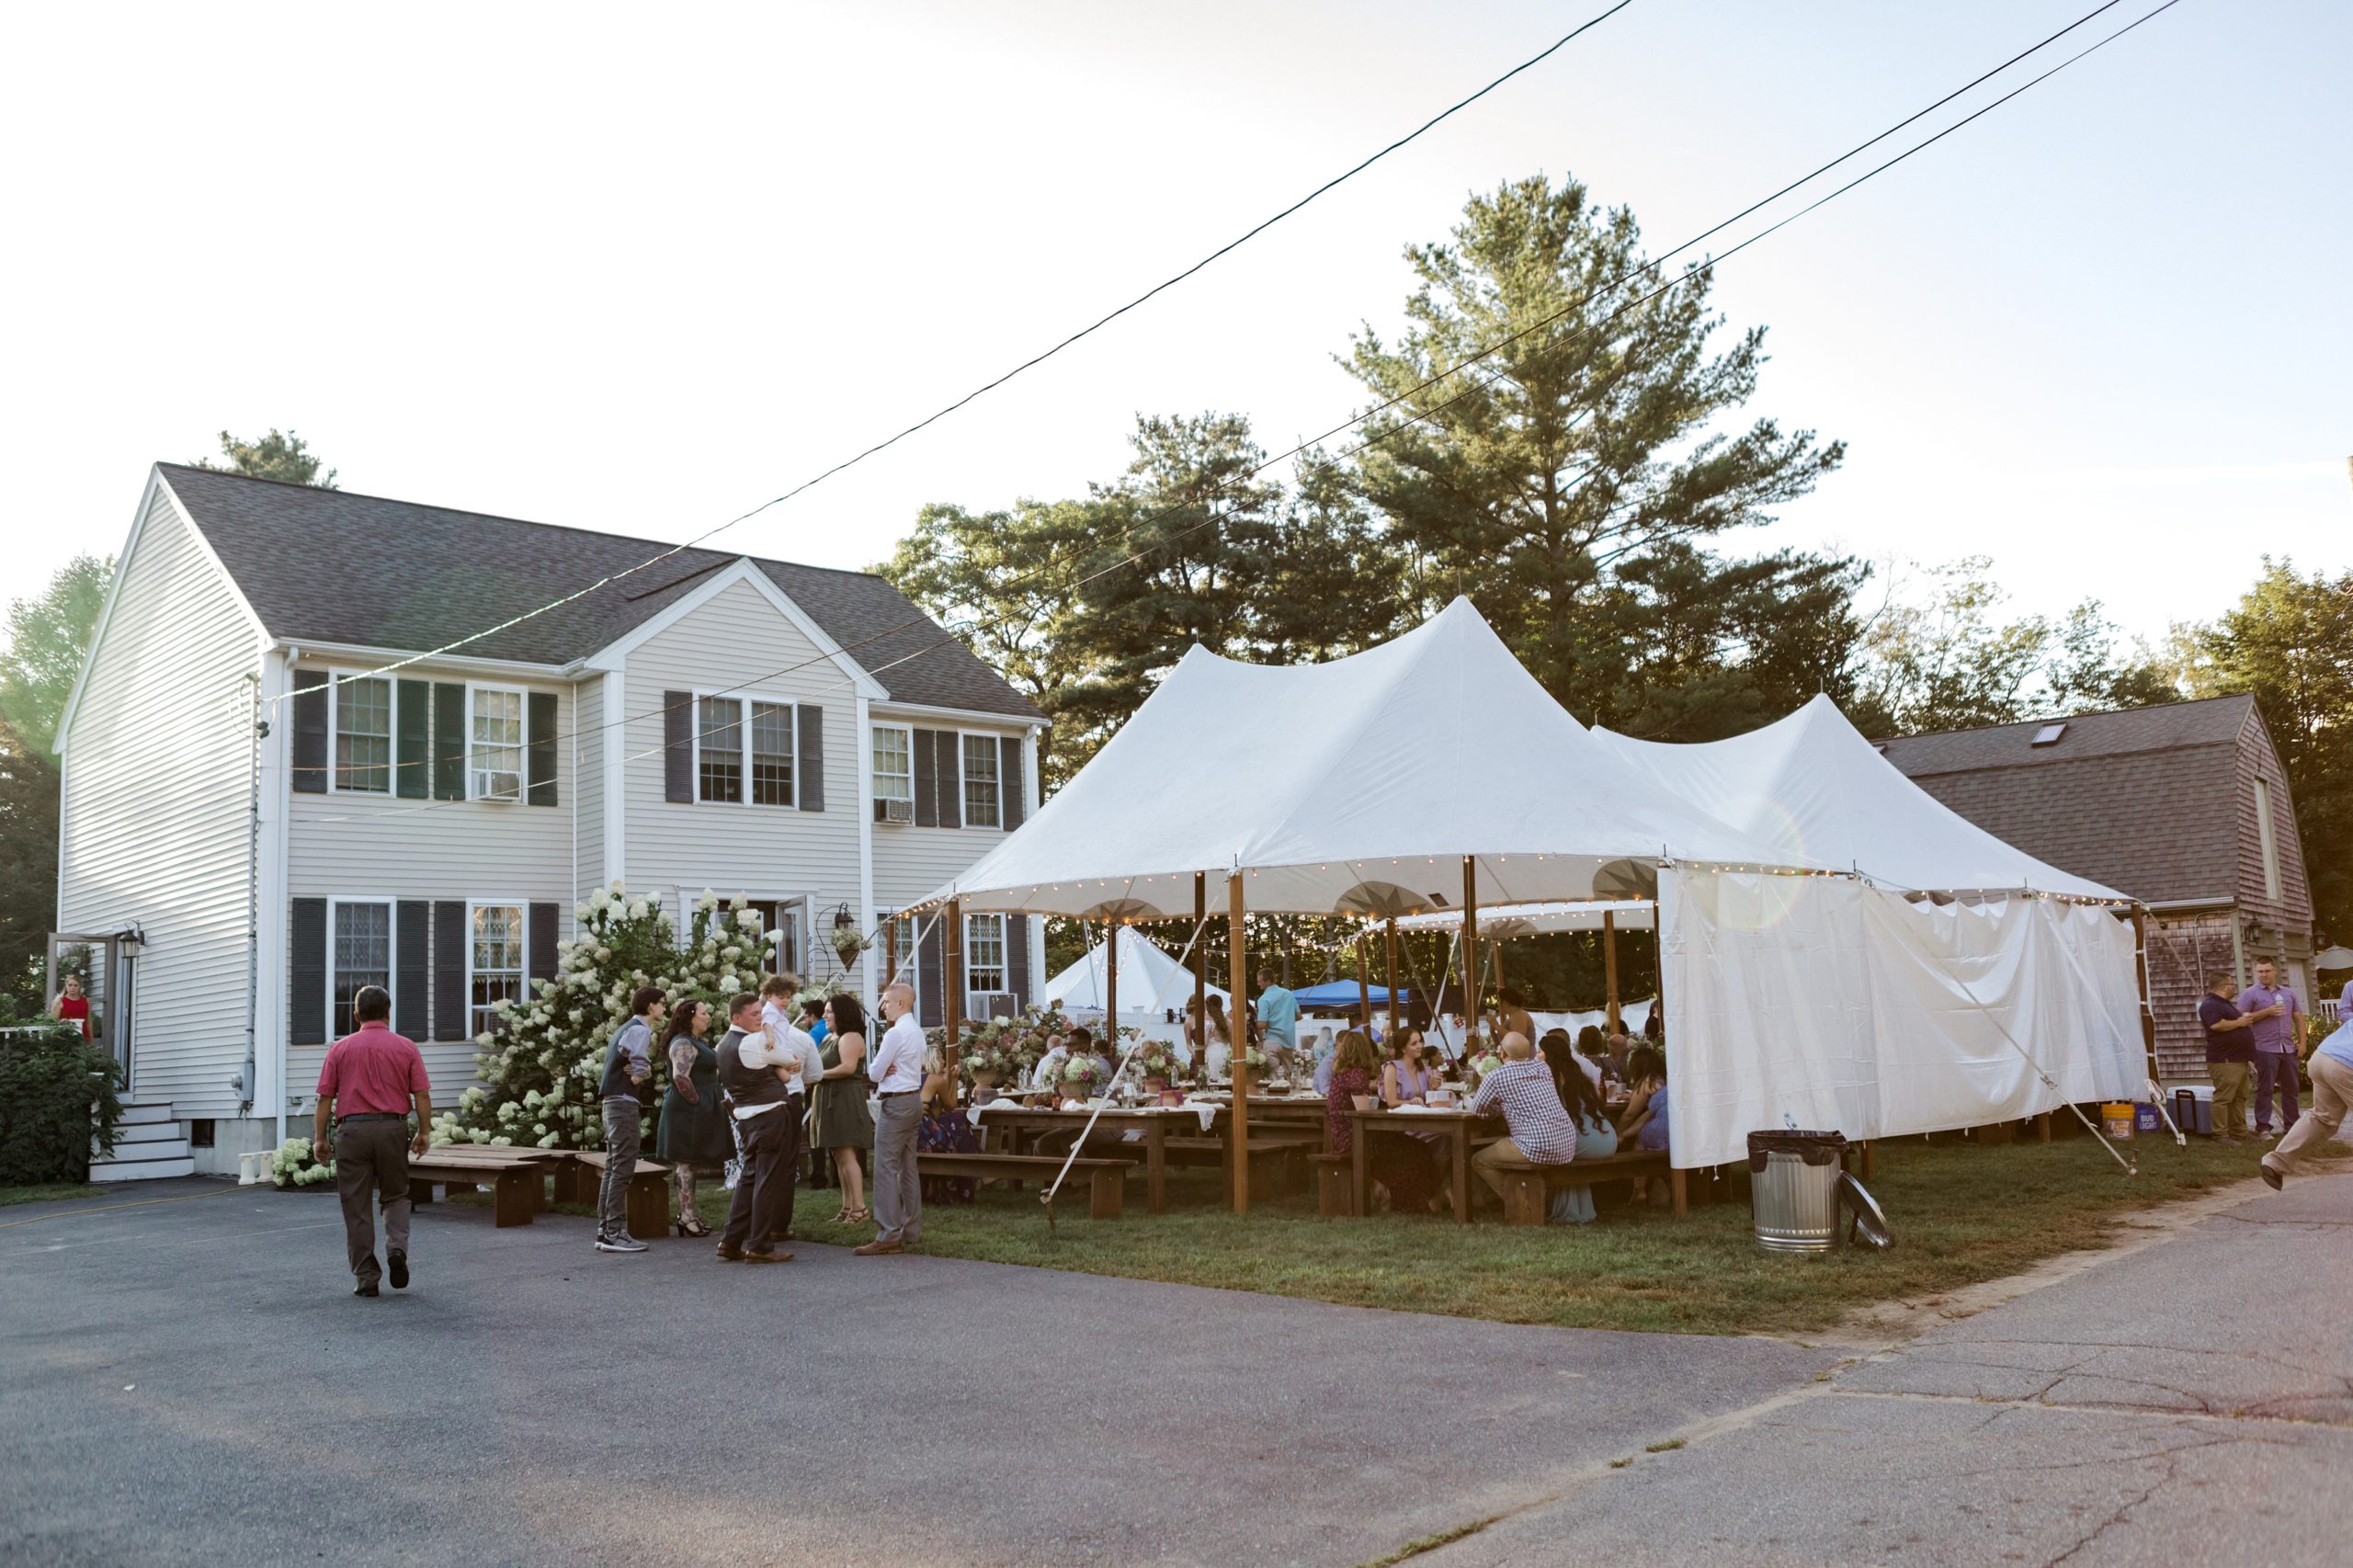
x=1814 y=1148
x=1871 y=1224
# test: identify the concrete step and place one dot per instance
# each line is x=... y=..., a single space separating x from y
x=130 y=1133
x=145 y=1113
x=181 y=1165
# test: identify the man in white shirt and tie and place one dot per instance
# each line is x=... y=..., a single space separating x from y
x=897 y=1069
x=762 y=1076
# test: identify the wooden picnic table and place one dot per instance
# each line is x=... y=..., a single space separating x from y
x=1459 y=1128
x=1018 y=1123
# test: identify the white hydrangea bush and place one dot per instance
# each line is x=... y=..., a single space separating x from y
x=541 y=1066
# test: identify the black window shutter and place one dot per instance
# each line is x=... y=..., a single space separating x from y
x=950 y=771
x=1012 y=787
x=310 y=732
x=542 y=938
x=929 y=987
x=679 y=746
x=412 y=748
x=1017 y=957
x=449 y=744
x=810 y=765
x=538 y=748
x=449 y=970
x=412 y=974
x=307 y=964
x=926 y=778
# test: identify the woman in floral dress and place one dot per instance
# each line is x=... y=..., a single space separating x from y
x=944 y=1129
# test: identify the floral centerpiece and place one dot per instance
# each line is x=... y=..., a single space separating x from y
x=1156 y=1063
x=1079 y=1077
x=293 y=1167
x=1483 y=1063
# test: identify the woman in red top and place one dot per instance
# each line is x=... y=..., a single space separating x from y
x=71 y=1004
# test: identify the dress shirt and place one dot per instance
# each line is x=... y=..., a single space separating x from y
x=770 y=1048
x=1531 y=1108
x=898 y=1062
x=2276 y=1036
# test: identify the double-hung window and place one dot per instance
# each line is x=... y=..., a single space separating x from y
x=980 y=804
x=894 y=763
x=361 y=951
x=495 y=757
x=495 y=963
x=743 y=751
x=985 y=952
x=363 y=734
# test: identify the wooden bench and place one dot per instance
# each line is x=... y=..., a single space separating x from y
x=1336 y=1187
x=516 y=1178
x=1286 y=1152
x=647 y=1202
x=1107 y=1194
x=1528 y=1194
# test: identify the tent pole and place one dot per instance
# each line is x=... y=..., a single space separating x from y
x=2140 y=976
x=1364 y=987
x=1238 y=1036
x=953 y=945
x=1111 y=987
x=1609 y=964
x=890 y=952
x=1392 y=977
x=1200 y=975
x=1469 y=947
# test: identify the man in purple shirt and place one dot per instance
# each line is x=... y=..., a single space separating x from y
x=2274 y=1017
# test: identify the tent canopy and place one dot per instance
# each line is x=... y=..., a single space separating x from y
x=1339 y=993
x=1544 y=810
x=1506 y=921
x=1150 y=980
x=1815 y=792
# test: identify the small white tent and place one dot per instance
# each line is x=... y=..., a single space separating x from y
x=1151 y=981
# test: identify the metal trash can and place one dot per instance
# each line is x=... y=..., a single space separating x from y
x=1793 y=1189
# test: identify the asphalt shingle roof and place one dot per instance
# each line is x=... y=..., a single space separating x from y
x=2143 y=799
x=336 y=566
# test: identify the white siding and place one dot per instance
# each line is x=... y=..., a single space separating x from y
x=739 y=638
x=912 y=863
x=584 y=754
x=157 y=796
x=378 y=845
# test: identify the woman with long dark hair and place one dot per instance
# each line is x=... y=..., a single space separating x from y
x=694 y=1136
x=840 y=1122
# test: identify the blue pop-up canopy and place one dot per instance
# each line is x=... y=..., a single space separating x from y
x=1339 y=993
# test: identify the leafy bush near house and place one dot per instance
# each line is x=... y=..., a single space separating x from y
x=59 y=1095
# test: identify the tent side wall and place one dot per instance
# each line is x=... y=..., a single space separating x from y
x=1833 y=1005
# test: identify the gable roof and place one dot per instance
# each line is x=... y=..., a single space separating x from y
x=2142 y=798
x=435 y=575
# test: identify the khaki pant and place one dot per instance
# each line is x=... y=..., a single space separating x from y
x=2230 y=1097
x=371 y=1163
x=1500 y=1156
x=2332 y=1092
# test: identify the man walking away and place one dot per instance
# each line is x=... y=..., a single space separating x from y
x=368 y=1083
x=898 y=1081
x=751 y=1070
x=1541 y=1133
x=628 y=1067
x=2332 y=1068
x=2230 y=1055
x=2274 y=1014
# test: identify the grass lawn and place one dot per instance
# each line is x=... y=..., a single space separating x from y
x=45 y=1192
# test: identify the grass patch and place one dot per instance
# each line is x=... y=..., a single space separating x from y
x=1962 y=1213
x=1667 y=1447
x=45 y=1192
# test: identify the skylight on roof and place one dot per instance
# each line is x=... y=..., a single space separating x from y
x=2048 y=735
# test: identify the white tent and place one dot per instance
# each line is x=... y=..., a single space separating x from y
x=1151 y=981
x=1358 y=826
x=1506 y=921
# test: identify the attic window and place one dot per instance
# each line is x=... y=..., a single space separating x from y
x=2048 y=735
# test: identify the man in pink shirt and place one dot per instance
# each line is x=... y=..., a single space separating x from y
x=368 y=1084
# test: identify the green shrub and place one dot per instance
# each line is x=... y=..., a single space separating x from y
x=58 y=1096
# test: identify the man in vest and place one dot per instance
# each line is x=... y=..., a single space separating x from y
x=752 y=1070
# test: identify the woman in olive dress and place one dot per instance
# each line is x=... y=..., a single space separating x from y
x=694 y=1136
x=839 y=1121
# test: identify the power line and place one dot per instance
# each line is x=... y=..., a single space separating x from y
x=1034 y=360
x=948 y=640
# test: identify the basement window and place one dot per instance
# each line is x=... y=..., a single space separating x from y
x=2048 y=735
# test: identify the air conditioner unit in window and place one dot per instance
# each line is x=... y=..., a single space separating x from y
x=498 y=786
x=899 y=812
x=987 y=1005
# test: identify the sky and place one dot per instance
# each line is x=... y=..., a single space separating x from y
x=640 y=269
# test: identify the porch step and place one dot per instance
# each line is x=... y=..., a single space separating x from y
x=149 y=1146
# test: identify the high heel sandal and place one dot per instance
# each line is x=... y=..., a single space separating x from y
x=699 y=1228
x=859 y=1217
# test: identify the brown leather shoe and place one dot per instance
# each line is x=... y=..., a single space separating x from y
x=876 y=1249
x=726 y=1254
x=760 y=1255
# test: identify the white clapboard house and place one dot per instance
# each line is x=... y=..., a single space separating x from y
x=247 y=840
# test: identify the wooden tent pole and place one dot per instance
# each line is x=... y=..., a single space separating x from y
x=1238 y=1036
x=890 y=952
x=1364 y=987
x=1469 y=947
x=1111 y=987
x=1609 y=964
x=1391 y=978
x=953 y=1003
x=2140 y=976
x=1200 y=974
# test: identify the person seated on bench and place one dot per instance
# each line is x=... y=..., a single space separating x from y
x=1541 y=1133
x=1597 y=1134
x=944 y=1129
x=1399 y=1166
x=1408 y=1167
x=1643 y=1124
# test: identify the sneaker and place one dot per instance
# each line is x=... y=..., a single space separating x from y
x=399 y=1264
x=620 y=1243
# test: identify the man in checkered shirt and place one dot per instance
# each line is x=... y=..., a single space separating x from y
x=1542 y=1131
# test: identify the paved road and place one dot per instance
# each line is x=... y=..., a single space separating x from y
x=187 y=1381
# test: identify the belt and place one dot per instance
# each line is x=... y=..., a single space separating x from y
x=897 y=1094
x=372 y=1116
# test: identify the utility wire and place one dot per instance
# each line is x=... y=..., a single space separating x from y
x=1030 y=363
x=950 y=640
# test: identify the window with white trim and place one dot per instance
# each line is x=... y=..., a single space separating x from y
x=494 y=963
x=2266 y=834
x=771 y=754
x=495 y=755
x=985 y=952
x=359 y=952
x=719 y=750
x=363 y=734
x=894 y=763
x=982 y=806
x=745 y=751
x=782 y=917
